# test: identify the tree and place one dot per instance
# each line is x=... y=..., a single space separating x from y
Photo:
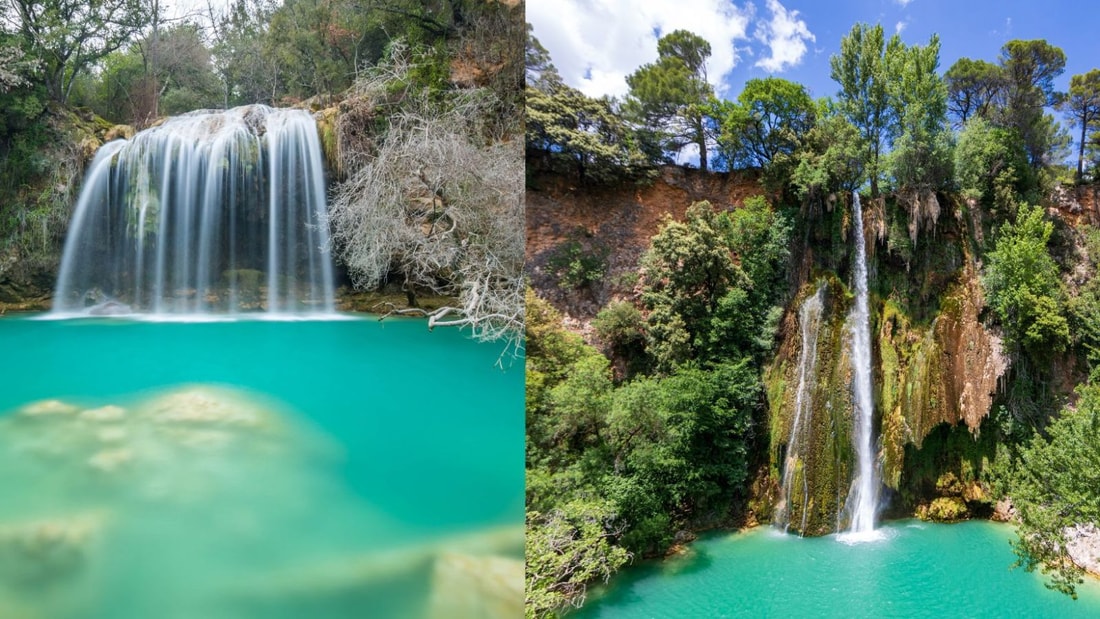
x=541 y=74
x=1030 y=68
x=70 y=36
x=565 y=125
x=1053 y=488
x=831 y=157
x=861 y=71
x=687 y=270
x=566 y=550
x=1083 y=108
x=316 y=44
x=986 y=159
x=15 y=67
x=1023 y=286
x=247 y=74
x=708 y=283
x=920 y=158
x=972 y=89
x=767 y=123
x=672 y=96
x=170 y=73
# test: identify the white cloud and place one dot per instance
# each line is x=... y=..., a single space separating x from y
x=898 y=27
x=785 y=35
x=595 y=44
x=903 y=3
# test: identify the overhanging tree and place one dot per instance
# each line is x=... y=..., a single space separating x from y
x=70 y=36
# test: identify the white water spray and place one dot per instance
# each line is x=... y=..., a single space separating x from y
x=863 y=497
x=794 y=465
x=210 y=212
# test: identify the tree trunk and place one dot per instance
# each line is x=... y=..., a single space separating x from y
x=701 y=140
x=1081 y=151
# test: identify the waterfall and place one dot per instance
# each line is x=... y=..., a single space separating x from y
x=863 y=498
x=210 y=212
x=809 y=321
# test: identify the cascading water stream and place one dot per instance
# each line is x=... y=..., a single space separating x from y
x=863 y=498
x=794 y=471
x=210 y=212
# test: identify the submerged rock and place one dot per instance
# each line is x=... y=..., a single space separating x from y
x=103 y=413
x=111 y=459
x=48 y=407
x=476 y=587
x=40 y=552
x=476 y=575
x=205 y=405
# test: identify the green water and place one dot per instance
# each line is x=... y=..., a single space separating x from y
x=921 y=570
x=254 y=469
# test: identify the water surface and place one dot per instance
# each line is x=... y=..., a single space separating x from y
x=916 y=570
x=252 y=468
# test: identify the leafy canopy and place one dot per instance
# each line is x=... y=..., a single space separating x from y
x=672 y=97
x=1023 y=287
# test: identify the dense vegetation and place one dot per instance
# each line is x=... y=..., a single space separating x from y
x=378 y=73
x=659 y=430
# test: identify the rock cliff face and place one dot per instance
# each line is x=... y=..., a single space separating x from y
x=615 y=225
x=936 y=364
x=36 y=213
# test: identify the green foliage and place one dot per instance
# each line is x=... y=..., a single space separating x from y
x=540 y=73
x=1082 y=106
x=22 y=101
x=581 y=403
x=577 y=266
x=972 y=89
x=702 y=303
x=169 y=73
x=1085 y=306
x=621 y=326
x=920 y=157
x=709 y=416
x=766 y=125
x=1053 y=487
x=70 y=36
x=1030 y=68
x=986 y=158
x=1023 y=287
x=570 y=131
x=315 y=45
x=861 y=70
x=566 y=549
x=832 y=158
x=687 y=270
x=672 y=97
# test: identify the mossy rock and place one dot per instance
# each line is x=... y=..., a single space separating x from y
x=944 y=509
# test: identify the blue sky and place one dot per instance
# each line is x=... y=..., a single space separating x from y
x=596 y=43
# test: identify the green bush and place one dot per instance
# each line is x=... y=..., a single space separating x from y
x=577 y=267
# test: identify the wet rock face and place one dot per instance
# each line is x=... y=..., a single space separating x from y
x=943 y=371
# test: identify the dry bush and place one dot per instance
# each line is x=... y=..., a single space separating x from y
x=437 y=203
